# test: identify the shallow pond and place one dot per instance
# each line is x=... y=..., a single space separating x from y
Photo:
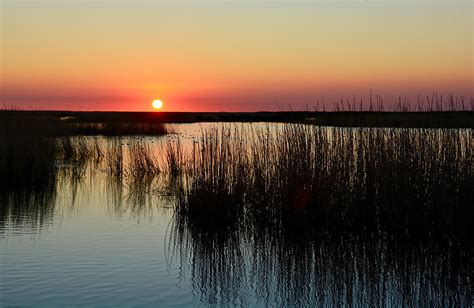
x=95 y=242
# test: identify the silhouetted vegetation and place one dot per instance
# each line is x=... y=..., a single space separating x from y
x=341 y=118
x=71 y=128
x=375 y=103
x=27 y=153
x=433 y=111
x=341 y=180
x=31 y=145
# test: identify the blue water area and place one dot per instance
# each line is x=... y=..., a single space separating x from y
x=88 y=254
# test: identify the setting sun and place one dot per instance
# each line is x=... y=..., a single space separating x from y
x=157 y=104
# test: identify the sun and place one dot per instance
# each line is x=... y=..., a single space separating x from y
x=157 y=104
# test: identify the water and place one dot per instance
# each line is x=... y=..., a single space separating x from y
x=93 y=242
x=90 y=252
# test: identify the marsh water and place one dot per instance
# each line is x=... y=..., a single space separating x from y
x=92 y=240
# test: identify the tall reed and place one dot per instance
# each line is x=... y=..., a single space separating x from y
x=114 y=158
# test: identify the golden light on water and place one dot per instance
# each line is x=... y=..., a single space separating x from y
x=157 y=104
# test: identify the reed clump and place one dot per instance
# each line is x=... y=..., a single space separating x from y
x=79 y=149
x=143 y=162
x=214 y=188
x=114 y=158
x=339 y=180
x=174 y=157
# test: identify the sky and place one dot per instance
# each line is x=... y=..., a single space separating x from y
x=230 y=55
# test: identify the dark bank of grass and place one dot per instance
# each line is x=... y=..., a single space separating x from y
x=446 y=119
x=33 y=146
x=27 y=170
x=145 y=123
x=27 y=152
x=62 y=124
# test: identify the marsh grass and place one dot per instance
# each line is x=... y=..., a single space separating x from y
x=71 y=128
x=174 y=157
x=79 y=149
x=31 y=145
x=114 y=158
x=144 y=163
x=436 y=102
x=340 y=180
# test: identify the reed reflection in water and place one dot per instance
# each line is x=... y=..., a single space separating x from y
x=324 y=271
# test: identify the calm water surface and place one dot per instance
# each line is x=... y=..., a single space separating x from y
x=93 y=242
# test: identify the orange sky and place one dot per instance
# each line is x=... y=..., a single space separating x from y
x=230 y=56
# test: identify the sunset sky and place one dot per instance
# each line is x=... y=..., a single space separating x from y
x=230 y=55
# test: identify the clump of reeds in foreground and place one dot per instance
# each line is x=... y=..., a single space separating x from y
x=213 y=190
x=396 y=181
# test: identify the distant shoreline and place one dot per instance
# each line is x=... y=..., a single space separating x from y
x=415 y=119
